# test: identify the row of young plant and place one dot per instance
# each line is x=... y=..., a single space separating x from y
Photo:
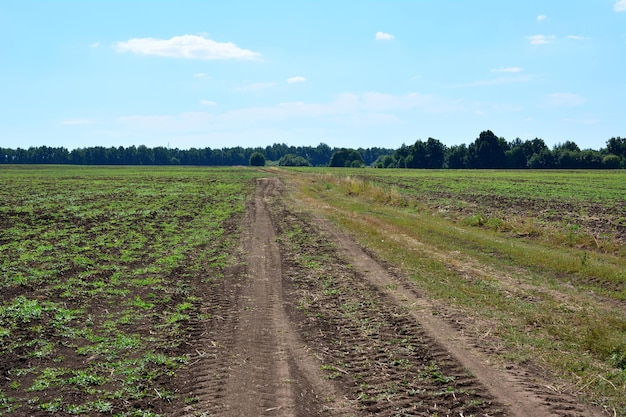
x=100 y=269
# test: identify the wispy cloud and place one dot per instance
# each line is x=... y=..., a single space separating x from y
x=382 y=36
x=556 y=100
x=208 y=103
x=541 y=39
x=620 y=6
x=577 y=37
x=94 y=45
x=507 y=69
x=201 y=75
x=186 y=47
x=541 y=17
x=346 y=109
x=296 y=79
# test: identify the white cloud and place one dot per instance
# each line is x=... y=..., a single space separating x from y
x=508 y=69
x=620 y=6
x=541 y=17
x=296 y=79
x=208 y=103
x=201 y=75
x=563 y=100
x=94 y=45
x=541 y=39
x=382 y=36
x=187 y=47
x=577 y=37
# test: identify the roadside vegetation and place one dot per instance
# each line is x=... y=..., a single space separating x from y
x=100 y=272
x=531 y=263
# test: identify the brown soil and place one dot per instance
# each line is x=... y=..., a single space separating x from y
x=313 y=325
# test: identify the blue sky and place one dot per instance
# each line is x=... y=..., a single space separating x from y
x=346 y=73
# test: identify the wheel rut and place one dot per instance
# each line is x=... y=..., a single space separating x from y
x=250 y=360
x=522 y=393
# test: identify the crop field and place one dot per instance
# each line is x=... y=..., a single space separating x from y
x=158 y=291
x=100 y=269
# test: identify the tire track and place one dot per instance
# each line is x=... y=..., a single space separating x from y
x=311 y=325
x=260 y=378
x=250 y=361
x=372 y=348
x=523 y=394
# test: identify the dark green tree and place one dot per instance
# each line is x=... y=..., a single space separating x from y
x=617 y=146
x=385 y=161
x=291 y=160
x=145 y=155
x=487 y=151
x=346 y=158
x=611 y=161
x=456 y=157
x=435 y=154
x=320 y=155
x=417 y=156
x=161 y=155
x=566 y=146
x=519 y=153
x=542 y=160
x=257 y=159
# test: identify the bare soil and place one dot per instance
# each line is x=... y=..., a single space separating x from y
x=310 y=324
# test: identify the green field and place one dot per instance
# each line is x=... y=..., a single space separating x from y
x=586 y=208
x=536 y=259
x=99 y=274
x=103 y=270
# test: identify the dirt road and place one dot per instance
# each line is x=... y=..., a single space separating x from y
x=310 y=325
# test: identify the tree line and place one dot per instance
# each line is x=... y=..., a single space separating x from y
x=491 y=152
x=487 y=152
x=142 y=155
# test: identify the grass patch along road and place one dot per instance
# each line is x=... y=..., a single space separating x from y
x=537 y=300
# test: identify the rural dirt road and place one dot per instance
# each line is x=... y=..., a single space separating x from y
x=310 y=324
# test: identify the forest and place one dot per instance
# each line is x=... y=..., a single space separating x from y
x=488 y=151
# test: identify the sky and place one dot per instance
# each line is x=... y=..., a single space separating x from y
x=195 y=74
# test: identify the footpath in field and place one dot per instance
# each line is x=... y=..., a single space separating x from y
x=312 y=325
